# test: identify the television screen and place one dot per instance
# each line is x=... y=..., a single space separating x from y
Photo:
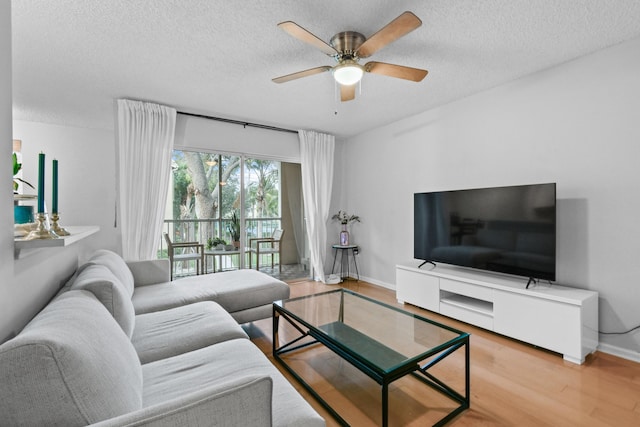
x=504 y=229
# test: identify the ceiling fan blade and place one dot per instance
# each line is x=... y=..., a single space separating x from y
x=301 y=74
x=301 y=34
x=347 y=93
x=395 y=29
x=397 y=71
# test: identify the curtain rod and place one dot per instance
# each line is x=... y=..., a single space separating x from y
x=238 y=122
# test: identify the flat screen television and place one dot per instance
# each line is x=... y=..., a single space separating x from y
x=508 y=230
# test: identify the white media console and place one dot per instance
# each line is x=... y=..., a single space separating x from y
x=557 y=318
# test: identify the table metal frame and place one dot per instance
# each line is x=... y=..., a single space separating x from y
x=342 y=248
x=411 y=366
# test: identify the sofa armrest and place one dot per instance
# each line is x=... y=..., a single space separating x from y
x=150 y=272
x=240 y=402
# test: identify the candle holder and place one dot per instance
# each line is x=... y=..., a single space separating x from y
x=56 y=228
x=40 y=231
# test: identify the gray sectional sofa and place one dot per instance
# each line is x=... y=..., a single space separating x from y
x=121 y=345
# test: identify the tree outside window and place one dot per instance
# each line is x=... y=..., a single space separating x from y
x=207 y=186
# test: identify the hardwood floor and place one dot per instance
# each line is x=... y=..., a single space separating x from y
x=512 y=383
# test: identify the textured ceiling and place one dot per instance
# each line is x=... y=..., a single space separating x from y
x=71 y=59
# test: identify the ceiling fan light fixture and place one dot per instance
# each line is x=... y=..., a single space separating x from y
x=349 y=47
x=348 y=73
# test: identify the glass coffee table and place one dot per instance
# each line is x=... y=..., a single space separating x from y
x=384 y=342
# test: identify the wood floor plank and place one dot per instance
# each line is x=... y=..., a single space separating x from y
x=512 y=383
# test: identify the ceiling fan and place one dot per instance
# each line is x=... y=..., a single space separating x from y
x=348 y=47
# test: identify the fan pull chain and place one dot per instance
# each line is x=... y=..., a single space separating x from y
x=336 y=88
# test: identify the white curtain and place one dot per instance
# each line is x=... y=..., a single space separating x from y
x=316 y=153
x=146 y=133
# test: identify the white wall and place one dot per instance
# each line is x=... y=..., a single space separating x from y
x=576 y=124
x=29 y=282
x=86 y=197
x=6 y=195
x=86 y=175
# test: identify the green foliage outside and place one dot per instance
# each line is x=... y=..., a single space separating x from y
x=263 y=189
x=197 y=193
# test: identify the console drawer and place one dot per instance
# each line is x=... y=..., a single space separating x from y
x=466 y=289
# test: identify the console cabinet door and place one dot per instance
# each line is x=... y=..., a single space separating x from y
x=550 y=324
x=418 y=289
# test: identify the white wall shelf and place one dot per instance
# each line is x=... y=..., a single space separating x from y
x=558 y=318
x=24 y=247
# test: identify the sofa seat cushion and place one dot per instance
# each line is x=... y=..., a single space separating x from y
x=171 y=378
x=253 y=314
x=100 y=280
x=71 y=365
x=167 y=333
x=233 y=290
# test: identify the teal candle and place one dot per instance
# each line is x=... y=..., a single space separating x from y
x=41 y=183
x=54 y=198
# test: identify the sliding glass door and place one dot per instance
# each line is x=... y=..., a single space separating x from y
x=224 y=201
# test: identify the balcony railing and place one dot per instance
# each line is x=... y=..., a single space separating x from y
x=201 y=230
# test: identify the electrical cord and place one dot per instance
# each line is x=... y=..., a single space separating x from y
x=620 y=333
x=635 y=328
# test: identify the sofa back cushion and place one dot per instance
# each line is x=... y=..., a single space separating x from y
x=116 y=264
x=71 y=365
x=110 y=291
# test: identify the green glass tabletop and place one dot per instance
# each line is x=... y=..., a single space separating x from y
x=386 y=337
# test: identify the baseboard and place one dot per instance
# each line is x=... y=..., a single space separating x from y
x=375 y=282
x=634 y=356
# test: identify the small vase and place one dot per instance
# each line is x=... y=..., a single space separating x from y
x=23 y=214
x=344 y=236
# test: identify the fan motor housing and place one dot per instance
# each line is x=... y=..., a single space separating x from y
x=347 y=43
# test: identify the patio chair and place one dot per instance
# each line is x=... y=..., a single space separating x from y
x=266 y=246
x=185 y=251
